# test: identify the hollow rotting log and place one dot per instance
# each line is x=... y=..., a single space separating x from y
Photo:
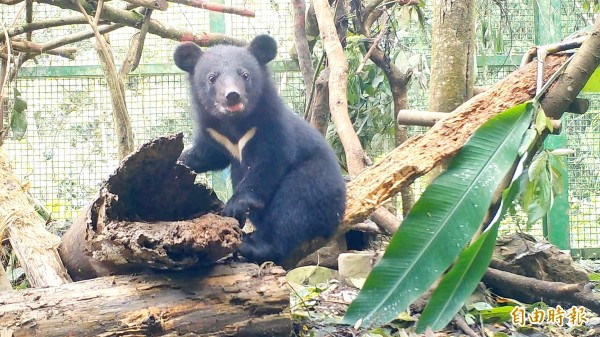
x=149 y=214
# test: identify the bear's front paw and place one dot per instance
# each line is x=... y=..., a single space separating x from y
x=239 y=205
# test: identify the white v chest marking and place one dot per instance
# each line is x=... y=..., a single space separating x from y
x=234 y=149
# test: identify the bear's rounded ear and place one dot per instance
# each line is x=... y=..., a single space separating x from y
x=186 y=56
x=264 y=48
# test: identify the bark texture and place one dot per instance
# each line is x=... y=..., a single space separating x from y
x=34 y=246
x=452 y=54
x=452 y=58
x=576 y=74
x=149 y=214
x=528 y=290
x=236 y=299
x=301 y=43
x=338 y=78
x=319 y=109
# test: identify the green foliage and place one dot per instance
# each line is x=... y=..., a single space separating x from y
x=497 y=314
x=18 y=117
x=370 y=105
x=590 y=5
x=593 y=84
x=443 y=220
x=541 y=183
x=462 y=279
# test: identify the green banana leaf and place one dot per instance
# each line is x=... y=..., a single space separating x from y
x=443 y=221
x=460 y=282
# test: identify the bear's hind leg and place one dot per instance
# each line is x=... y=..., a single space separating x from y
x=258 y=247
x=308 y=204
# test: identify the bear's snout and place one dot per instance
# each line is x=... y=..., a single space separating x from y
x=233 y=97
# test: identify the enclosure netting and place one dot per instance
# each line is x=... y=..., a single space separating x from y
x=70 y=148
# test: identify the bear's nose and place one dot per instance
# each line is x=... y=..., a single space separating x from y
x=233 y=97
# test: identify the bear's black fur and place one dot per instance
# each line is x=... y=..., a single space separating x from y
x=285 y=176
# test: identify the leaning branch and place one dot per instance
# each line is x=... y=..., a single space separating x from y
x=115 y=85
x=338 y=77
x=419 y=155
x=34 y=246
x=577 y=73
x=134 y=54
x=42 y=24
x=76 y=37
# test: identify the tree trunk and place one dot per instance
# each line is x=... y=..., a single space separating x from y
x=452 y=58
x=301 y=43
x=236 y=299
x=400 y=94
x=34 y=246
x=452 y=54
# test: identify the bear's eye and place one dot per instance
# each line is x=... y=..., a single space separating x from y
x=212 y=78
x=245 y=76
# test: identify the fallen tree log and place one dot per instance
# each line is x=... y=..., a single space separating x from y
x=235 y=299
x=149 y=214
x=34 y=246
x=529 y=290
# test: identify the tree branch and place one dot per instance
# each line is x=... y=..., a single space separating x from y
x=36 y=48
x=378 y=183
x=375 y=44
x=134 y=54
x=4 y=81
x=160 y=5
x=117 y=91
x=34 y=246
x=569 y=84
x=131 y=19
x=216 y=7
x=301 y=43
x=553 y=293
x=43 y=24
x=29 y=15
x=338 y=76
x=369 y=8
x=79 y=36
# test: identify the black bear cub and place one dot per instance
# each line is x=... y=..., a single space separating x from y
x=285 y=177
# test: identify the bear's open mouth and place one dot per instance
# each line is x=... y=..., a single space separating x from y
x=236 y=107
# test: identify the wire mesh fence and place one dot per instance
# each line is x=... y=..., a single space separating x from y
x=69 y=148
